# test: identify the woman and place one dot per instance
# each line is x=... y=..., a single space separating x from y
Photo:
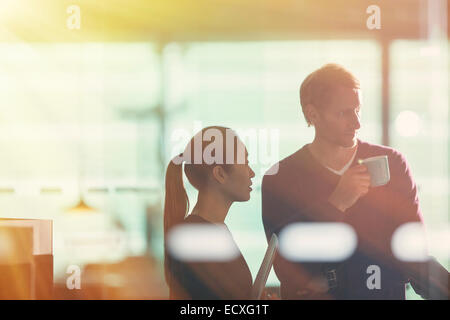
x=219 y=182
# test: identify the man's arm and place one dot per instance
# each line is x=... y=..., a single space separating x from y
x=428 y=278
x=280 y=207
x=405 y=199
x=437 y=284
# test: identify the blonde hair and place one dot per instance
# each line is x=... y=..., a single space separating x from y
x=318 y=86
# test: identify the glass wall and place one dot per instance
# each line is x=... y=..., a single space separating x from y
x=86 y=122
x=419 y=129
x=101 y=121
x=254 y=87
x=71 y=126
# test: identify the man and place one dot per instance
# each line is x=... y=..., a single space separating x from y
x=323 y=182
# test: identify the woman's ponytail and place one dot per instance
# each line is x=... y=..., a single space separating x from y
x=176 y=205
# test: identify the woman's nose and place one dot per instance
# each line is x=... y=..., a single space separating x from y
x=252 y=173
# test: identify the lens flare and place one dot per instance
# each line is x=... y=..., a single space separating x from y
x=409 y=242
x=408 y=124
x=317 y=242
x=199 y=242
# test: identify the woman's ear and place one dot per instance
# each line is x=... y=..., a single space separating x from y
x=219 y=174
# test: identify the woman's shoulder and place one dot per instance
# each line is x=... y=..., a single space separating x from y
x=193 y=218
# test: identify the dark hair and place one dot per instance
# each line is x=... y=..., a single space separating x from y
x=319 y=85
x=176 y=203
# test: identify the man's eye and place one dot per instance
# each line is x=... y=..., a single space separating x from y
x=344 y=113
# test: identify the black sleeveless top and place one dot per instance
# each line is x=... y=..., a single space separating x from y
x=209 y=280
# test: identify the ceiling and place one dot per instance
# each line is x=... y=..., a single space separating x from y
x=214 y=20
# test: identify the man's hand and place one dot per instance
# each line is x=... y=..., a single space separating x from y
x=316 y=289
x=353 y=184
x=266 y=295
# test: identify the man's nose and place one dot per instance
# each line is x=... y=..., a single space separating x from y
x=356 y=124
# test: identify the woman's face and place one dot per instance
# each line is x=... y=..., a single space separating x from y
x=238 y=182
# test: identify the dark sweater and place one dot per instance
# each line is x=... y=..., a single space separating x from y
x=299 y=193
x=210 y=280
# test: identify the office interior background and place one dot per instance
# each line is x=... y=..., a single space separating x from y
x=90 y=112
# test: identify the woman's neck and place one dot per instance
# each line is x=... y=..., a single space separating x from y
x=211 y=206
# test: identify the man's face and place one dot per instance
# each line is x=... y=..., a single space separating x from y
x=338 y=121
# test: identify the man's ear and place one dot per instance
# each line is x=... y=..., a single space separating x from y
x=311 y=113
x=219 y=174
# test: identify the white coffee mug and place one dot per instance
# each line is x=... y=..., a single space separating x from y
x=378 y=168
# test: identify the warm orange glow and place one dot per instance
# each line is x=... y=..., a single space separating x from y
x=81 y=208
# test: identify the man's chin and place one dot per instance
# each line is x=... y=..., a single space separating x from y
x=349 y=142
